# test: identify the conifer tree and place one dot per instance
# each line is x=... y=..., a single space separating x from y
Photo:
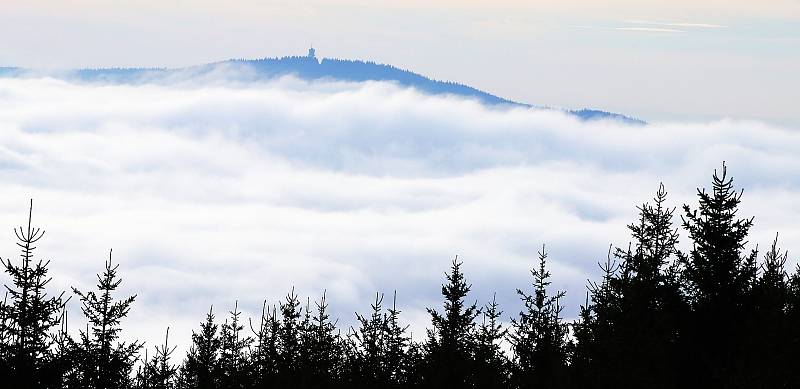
x=582 y=348
x=599 y=325
x=233 y=361
x=491 y=369
x=649 y=301
x=106 y=362
x=159 y=372
x=719 y=273
x=5 y=337
x=718 y=270
x=304 y=363
x=451 y=342
x=397 y=344
x=29 y=314
x=328 y=346
x=370 y=342
x=141 y=379
x=67 y=359
x=792 y=338
x=540 y=335
x=320 y=358
x=770 y=351
x=415 y=362
x=266 y=358
x=200 y=368
x=290 y=341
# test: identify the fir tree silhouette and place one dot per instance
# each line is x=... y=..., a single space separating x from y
x=158 y=371
x=601 y=319
x=451 y=341
x=645 y=328
x=492 y=365
x=266 y=357
x=400 y=368
x=233 y=359
x=323 y=347
x=290 y=341
x=769 y=349
x=791 y=341
x=66 y=358
x=583 y=349
x=106 y=363
x=371 y=347
x=28 y=314
x=539 y=337
x=200 y=367
x=305 y=363
x=719 y=275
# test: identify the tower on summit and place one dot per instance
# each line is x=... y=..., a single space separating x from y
x=311 y=52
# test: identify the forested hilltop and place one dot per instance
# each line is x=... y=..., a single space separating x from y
x=716 y=316
x=305 y=67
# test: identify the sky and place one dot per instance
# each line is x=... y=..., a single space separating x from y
x=658 y=60
x=211 y=191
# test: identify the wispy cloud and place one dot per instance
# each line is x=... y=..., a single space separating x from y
x=677 y=24
x=648 y=29
x=215 y=192
x=667 y=27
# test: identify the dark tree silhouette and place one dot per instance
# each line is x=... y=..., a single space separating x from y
x=233 y=360
x=158 y=372
x=290 y=341
x=719 y=275
x=66 y=368
x=370 y=344
x=379 y=349
x=400 y=367
x=28 y=315
x=200 y=367
x=583 y=349
x=539 y=337
x=105 y=362
x=600 y=319
x=266 y=357
x=323 y=347
x=645 y=328
x=451 y=341
x=492 y=365
x=769 y=347
x=791 y=342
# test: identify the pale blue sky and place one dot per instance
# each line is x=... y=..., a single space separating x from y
x=659 y=60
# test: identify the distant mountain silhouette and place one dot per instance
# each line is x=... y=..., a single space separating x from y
x=305 y=67
x=9 y=72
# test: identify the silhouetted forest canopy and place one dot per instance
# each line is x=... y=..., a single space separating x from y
x=719 y=315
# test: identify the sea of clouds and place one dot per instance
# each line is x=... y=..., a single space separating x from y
x=209 y=192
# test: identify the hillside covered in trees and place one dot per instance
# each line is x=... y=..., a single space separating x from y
x=717 y=315
x=304 y=67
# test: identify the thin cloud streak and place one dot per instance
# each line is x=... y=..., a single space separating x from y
x=648 y=29
x=691 y=25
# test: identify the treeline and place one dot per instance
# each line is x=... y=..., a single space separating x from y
x=717 y=316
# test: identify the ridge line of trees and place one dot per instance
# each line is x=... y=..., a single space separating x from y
x=717 y=315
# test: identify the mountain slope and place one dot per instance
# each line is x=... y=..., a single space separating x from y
x=309 y=68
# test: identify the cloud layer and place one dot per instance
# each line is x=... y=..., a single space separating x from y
x=223 y=191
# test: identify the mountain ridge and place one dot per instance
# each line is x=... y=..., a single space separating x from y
x=309 y=67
